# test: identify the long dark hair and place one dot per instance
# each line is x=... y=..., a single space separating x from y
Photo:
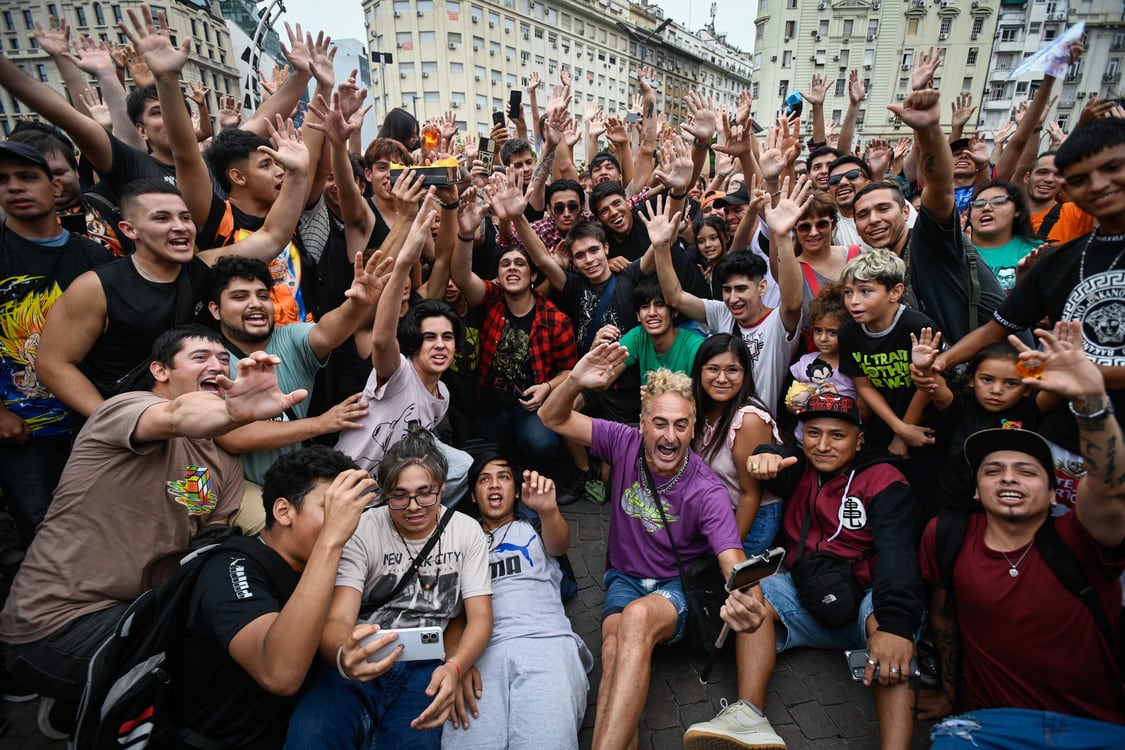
x=1021 y=222
x=721 y=343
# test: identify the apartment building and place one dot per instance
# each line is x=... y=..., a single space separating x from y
x=212 y=60
x=466 y=55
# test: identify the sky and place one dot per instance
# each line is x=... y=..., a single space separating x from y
x=344 y=18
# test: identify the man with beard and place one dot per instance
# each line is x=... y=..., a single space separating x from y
x=660 y=490
x=240 y=301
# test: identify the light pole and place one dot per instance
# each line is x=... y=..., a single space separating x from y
x=267 y=17
x=642 y=42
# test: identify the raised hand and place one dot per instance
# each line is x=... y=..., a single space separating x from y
x=1004 y=132
x=594 y=121
x=533 y=81
x=138 y=68
x=408 y=192
x=878 y=157
x=1057 y=134
x=470 y=214
x=924 y=349
x=55 y=39
x=506 y=197
x=599 y=366
x=922 y=109
x=92 y=100
x=704 y=119
x=1067 y=371
x=332 y=121
x=775 y=156
x=662 y=225
x=419 y=229
x=369 y=279
x=856 y=88
x=230 y=112
x=645 y=76
x=902 y=147
x=538 y=492
x=791 y=204
x=197 y=92
x=92 y=57
x=289 y=148
x=351 y=96
x=962 y=110
x=616 y=132
x=154 y=44
x=675 y=166
x=925 y=65
x=272 y=82
x=299 y=53
x=255 y=394
x=978 y=150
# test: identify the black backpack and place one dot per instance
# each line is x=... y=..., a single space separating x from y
x=950 y=535
x=130 y=695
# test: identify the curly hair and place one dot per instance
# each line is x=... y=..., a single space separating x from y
x=829 y=302
x=661 y=381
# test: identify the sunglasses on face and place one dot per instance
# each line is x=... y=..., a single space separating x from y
x=822 y=225
x=995 y=201
x=852 y=175
x=572 y=207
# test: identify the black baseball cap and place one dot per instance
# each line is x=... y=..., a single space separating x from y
x=961 y=144
x=739 y=197
x=985 y=442
x=831 y=406
x=24 y=152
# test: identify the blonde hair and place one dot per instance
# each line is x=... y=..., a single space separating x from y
x=881 y=266
x=661 y=381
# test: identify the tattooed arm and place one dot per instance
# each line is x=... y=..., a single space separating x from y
x=934 y=704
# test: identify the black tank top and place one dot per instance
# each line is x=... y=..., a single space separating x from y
x=138 y=311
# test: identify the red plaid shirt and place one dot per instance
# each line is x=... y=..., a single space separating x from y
x=548 y=230
x=552 y=346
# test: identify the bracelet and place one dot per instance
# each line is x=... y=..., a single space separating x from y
x=466 y=239
x=1102 y=413
x=702 y=146
x=340 y=664
x=550 y=388
x=675 y=197
x=986 y=166
x=455 y=666
x=451 y=206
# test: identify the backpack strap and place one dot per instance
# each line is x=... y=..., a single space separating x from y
x=952 y=525
x=973 y=284
x=853 y=251
x=1062 y=562
x=1049 y=221
x=810 y=277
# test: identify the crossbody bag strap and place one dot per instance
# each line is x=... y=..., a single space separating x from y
x=369 y=609
x=664 y=519
x=599 y=311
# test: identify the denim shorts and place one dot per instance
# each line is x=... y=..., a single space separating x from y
x=799 y=628
x=621 y=589
x=1000 y=728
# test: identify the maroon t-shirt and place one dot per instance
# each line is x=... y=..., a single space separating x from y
x=1026 y=641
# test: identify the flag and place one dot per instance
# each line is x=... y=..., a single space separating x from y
x=1054 y=59
x=454 y=15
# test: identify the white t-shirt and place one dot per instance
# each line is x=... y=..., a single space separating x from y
x=771 y=346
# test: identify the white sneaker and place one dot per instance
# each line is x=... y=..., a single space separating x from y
x=738 y=726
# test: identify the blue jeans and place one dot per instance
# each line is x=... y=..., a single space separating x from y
x=521 y=430
x=621 y=589
x=1004 y=728
x=28 y=476
x=339 y=713
x=799 y=628
x=763 y=530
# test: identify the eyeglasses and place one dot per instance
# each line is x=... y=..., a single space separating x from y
x=852 y=175
x=995 y=201
x=733 y=371
x=424 y=500
x=822 y=225
x=573 y=207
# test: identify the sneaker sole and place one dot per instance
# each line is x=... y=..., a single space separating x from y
x=44 y=721
x=710 y=741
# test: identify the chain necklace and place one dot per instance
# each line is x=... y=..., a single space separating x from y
x=491 y=537
x=1013 y=568
x=426 y=585
x=644 y=475
x=1101 y=238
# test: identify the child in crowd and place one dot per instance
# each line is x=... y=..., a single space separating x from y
x=819 y=371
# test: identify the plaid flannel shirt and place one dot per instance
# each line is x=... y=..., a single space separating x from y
x=548 y=230
x=552 y=347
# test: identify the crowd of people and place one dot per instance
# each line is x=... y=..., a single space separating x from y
x=375 y=386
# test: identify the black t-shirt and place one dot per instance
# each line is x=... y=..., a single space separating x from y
x=884 y=359
x=216 y=697
x=129 y=164
x=579 y=299
x=381 y=229
x=938 y=276
x=1081 y=280
x=509 y=373
x=632 y=246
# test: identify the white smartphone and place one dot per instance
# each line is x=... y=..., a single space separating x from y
x=418 y=644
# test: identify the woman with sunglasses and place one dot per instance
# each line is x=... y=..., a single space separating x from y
x=821 y=261
x=730 y=422
x=1001 y=229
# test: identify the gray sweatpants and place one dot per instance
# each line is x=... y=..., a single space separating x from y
x=533 y=697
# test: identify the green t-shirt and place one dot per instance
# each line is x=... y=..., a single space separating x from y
x=1002 y=260
x=679 y=357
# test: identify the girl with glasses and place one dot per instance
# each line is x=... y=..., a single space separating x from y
x=1001 y=229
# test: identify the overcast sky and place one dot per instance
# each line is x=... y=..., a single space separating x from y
x=344 y=18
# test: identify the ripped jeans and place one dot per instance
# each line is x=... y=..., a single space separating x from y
x=1025 y=729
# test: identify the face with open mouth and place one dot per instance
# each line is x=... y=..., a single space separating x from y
x=743 y=297
x=666 y=428
x=880 y=219
x=991 y=221
x=438 y=345
x=963 y=164
x=514 y=273
x=849 y=179
x=1044 y=180
x=655 y=317
x=615 y=214
x=195 y=367
x=1013 y=485
x=868 y=302
x=161 y=227
x=245 y=311
x=495 y=493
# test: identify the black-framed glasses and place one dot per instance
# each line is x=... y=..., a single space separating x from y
x=851 y=174
x=822 y=225
x=995 y=201
x=572 y=207
x=424 y=500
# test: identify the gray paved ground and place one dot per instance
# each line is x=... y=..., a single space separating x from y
x=812 y=702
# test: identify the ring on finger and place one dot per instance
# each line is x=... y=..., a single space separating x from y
x=872 y=663
x=894 y=670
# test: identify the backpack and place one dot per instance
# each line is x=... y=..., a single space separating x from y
x=130 y=695
x=950 y=535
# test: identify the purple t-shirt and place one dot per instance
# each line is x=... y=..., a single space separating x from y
x=697 y=507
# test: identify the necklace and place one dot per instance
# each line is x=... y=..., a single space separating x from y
x=1013 y=567
x=144 y=273
x=644 y=475
x=491 y=536
x=426 y=585
x=1103 y=238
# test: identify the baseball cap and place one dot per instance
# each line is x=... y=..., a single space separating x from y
x=984 y=442
x=739 y=197
x=709 y=196
x=24 y=152
x=960 y=144
x=831 y=406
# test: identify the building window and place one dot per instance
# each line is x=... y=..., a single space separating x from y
x=427 y=37
x=978 y=26
x=99 y=14
x=9 y=22
x=946 y=25
x=41 y=71
x=786 y=58
x=425 y=6
x=912 y=26
x=783 y=88
x=117 y=17
x=28 y=21
x=841 y=86
x=790 y=29
x=971 y=58
x=849 y=26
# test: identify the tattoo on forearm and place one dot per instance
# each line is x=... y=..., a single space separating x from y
x=650 y=109
x=928 y=164
x=949 y=648
x=543 y=168
x=1110 y=475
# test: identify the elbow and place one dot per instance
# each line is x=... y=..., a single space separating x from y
x=285 y=685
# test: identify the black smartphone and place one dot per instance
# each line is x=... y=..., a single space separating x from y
x=753 y=569
x=857 y=663
x=515 y=103
x=498 y=118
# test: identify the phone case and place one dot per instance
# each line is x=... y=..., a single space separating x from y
x=857 y=663
x=418 y=644
x=751 y=571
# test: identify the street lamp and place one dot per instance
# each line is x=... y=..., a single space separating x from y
x=642 y=42
x=267 y=17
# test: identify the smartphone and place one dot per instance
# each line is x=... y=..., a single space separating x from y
x=631 y=117
x=857 y=663
x=515 y=104
x=753 y=569
x=486 y=150
x=418 y=644
x=498 y=118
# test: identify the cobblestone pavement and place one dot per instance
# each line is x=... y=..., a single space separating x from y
x=812 y=701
